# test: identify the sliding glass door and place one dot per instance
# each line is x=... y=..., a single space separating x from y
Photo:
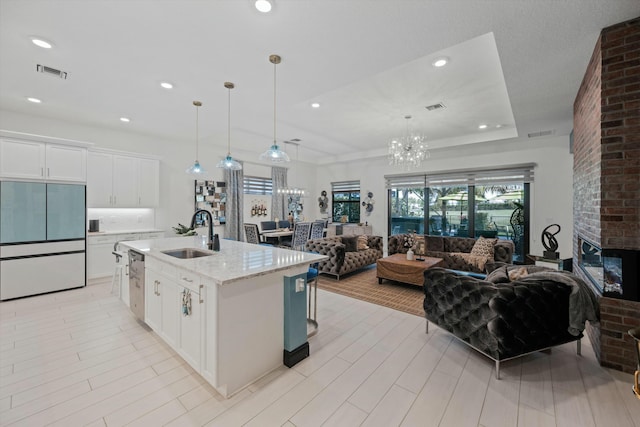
x=499 y=209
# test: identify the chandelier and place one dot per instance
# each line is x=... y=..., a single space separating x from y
x=409 y=150
x=292 y=191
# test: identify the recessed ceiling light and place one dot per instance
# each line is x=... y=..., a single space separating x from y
x=41 y=43
x=263 y=6
x=482 y=127
x=440 y=62
x=315 y=104
x=166 y=85
x=34 y=100
x=125 y=119
x=498 y=126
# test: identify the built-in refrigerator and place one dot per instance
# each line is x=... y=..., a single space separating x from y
x=42 y=238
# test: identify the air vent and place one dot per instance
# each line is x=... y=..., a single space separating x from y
x=51 y=71
x=541 y=133
x=438 y=106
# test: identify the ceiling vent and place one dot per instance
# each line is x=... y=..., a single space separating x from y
x=51 y=71
x=438 y=106
x=541 y=133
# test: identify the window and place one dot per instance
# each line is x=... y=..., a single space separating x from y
x=465 y=203
x=345 y=201
x=257 y=185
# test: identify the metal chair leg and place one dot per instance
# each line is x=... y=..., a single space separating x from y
x=497 y=369
x=579 y=348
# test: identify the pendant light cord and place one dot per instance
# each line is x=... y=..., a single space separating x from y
x=197 y=136
x=229 y=124
x=274 y=103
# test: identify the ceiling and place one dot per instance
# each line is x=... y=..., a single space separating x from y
x=514 y=65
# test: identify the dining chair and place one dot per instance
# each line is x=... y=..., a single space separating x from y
x=300 y=236
x=283 y=223
x=269 y=225
x=252 y=235
x=317 y=230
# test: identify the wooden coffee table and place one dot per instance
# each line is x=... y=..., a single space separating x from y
x=396 y=267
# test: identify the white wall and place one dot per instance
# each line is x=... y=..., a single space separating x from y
x=551 y=195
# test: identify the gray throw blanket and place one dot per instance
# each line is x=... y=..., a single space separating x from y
x=583 y=304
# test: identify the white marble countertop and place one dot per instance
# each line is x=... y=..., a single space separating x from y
x=235 y=260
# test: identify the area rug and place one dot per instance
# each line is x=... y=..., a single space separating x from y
x=363 y=285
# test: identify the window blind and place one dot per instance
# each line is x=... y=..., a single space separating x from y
x=257 y=185
x=345 y=186
x=463 y=177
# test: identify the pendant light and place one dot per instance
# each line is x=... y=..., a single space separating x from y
x=274 y=153
x=228 y=162
x=196 y=169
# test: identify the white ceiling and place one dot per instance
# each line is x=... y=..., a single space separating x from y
x=513 y=63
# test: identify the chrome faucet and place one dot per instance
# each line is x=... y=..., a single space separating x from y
x=210 y=218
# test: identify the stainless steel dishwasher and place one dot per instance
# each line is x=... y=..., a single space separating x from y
x=136 y=283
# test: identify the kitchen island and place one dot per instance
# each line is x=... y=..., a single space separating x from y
x=223 y=312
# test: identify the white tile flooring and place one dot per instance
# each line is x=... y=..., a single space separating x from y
x=79 y=358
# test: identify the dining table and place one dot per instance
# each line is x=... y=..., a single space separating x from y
x=279 y=233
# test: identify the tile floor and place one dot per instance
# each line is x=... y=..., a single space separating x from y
x=80 y=358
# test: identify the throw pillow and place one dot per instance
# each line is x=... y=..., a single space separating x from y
x=362 y=243
x=350 y=243
x=518 y=273
x=407 y=241
x=499 y=275
x=419 y=246
x=484 y=247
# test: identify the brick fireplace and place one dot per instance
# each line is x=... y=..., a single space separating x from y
x=606 y=177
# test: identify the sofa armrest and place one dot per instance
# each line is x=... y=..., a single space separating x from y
x=530 y=316
x=503 y=251
x=331 y=248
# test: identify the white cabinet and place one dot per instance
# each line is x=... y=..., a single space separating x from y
x=190 y=338
x=122 y=181
x=174 y=309
x=161 y=309
x=153 y=300
x=101 y=262
x=24 y=159
x=125 y=181
x=100 y=259
x=148 y=182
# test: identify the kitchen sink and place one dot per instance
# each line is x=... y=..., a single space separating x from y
x=186 y=253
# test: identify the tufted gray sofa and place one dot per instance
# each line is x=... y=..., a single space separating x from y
x=341 y=262
x=502 y=321
x=443 y=246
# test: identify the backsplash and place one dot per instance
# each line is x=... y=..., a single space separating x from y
x=123 y=219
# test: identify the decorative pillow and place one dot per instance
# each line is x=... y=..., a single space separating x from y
x=407 y=241
x=518 y=273
x=499 y=275
x=484 y=247
x=478 y=261
x=362 y=243
x=350 y=243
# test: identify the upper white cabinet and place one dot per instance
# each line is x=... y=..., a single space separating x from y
x=23 y=159
x=120 y=181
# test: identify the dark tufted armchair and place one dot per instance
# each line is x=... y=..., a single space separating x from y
x=502 y=321
x=443 y=246
x=340 y=261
